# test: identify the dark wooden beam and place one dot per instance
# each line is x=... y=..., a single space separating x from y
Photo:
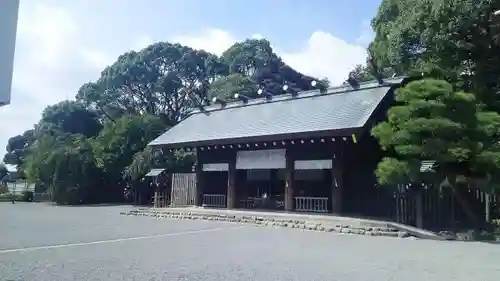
x=231 y=181
x=289 y=169
x=337 y=180
x=199 y=180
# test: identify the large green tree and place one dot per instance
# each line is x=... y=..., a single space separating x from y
x=434 y=121
x=120 y=140
x=256 y=60
x=457 y=38
x=65 y=166
x=163 y=79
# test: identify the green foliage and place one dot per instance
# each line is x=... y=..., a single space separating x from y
x=82 y=150
x=361 y=73
x=119 y=141
x=391 y=170
x=18 y=148
x=225 y=87
x=155 y=80
x=147 y=159
x=458 y=38
x=364 y=73
x=68 y=117
x=432 y=121
x=456 y=41
x=37 y=168
x=66 y=164
x=256 y=60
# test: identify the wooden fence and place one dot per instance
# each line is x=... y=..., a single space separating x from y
x=183 y=189
x=439 y=208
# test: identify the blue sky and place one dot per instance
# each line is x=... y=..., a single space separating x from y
x=63 y=44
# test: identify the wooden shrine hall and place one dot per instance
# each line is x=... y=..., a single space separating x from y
x=307 y=151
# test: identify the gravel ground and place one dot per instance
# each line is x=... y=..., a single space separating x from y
x=40 y=242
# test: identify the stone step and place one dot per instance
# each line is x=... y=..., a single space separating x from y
x=281 y=221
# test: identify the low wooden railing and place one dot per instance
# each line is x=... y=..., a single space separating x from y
x=160 y=200
x=214 y=200
x=311 y=204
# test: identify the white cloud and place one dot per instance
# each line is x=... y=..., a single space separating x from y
x=325 y=55
x=53 y=60
x=46 y=67
x=212 y=40
x=49 y=29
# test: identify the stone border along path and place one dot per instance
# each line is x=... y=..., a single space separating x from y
x=313 y=225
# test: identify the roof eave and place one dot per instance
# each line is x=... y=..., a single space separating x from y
x=268 y=138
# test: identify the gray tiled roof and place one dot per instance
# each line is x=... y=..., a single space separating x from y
x=339 y=108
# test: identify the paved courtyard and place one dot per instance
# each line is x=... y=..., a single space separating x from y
x=40 y=242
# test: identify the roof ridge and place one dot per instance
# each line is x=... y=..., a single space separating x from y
x=340 y=89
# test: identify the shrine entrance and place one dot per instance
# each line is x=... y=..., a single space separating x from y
x=260 y=176
x=262 y=189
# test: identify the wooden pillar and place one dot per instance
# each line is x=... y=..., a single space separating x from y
x=337 y=183
x=155 y=199
x=419 y=207
x=231 y=182
x=199 y=180
x=487 y=207
x=289 y=182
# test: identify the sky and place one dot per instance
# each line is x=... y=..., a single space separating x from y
x=64 y=44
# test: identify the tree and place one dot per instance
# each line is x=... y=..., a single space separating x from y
x=62 y=118
x=225 y=87
x=361 y=73
x=162 y=79
x=369 y=72
x=457 y=38
x=18 y=148
x=432 y=121
x=256 y=60
x=64 y=165
x=68 y=117
x=150 y=158
x=117 y=143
